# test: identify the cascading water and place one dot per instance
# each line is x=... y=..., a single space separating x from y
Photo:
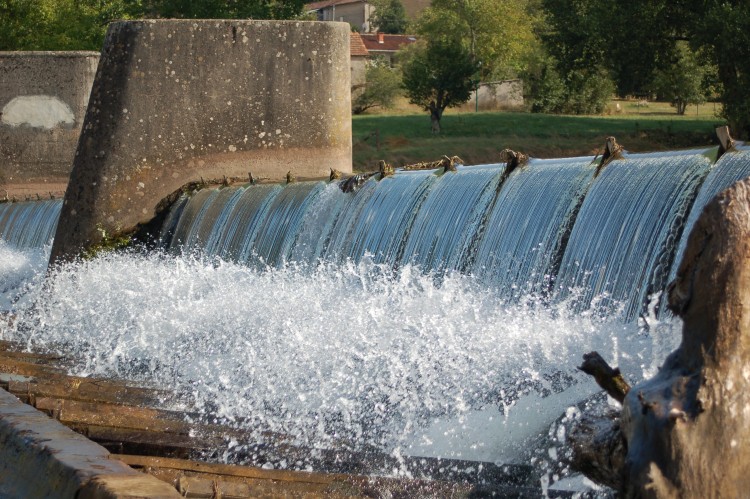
x=341 y=320
x=626 y=232
x=449 y=220
x=25 y=230
x=731 y=167
x=30 y=224
x=378 y=222
x=529 y=224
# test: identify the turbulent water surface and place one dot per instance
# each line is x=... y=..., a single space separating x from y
x=428 y=314
x=348 y=356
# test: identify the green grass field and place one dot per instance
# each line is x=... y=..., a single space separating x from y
x=405 y=137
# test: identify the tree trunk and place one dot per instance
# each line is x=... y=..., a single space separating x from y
x=435 y=114
x=687 y=430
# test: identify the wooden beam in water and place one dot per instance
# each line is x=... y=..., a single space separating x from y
x=89 y=389
x=13 y=366
x=197 y=479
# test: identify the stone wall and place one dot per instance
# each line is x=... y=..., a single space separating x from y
x=358 y=75
x=175 y=101
x=495 y=95
x=43 y=99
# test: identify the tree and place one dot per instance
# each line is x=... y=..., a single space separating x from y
x=681 y=81
x=582 y=91
x=82 y=24
x=225 y=9
x=499 y=33
x=439 y=74
x=383 y=85
x=627 y=38
x=389 y=17
x=634 y=38
x=59 y=24
x=722 y=29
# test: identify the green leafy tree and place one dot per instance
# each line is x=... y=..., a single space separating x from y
x=628 y=38
x=498 y=33
x=722 y=29
x=82 y=24
x=389 y=17
x=582 y=91
x=682 y=81
x=383 y=85
x=225 y=9
x=439 y=74
x=635 y=39
x=547 y=89
x=17 y=21
x=59 y=24
x=588 y=91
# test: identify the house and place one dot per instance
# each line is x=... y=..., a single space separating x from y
x=359 y=55
x=380 y=44
x=355 y=12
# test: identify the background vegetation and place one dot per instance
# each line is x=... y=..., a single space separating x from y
x=574 y=55
x=81 y=24
x=403 y=136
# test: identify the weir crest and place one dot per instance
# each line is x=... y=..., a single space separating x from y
x=426 y=314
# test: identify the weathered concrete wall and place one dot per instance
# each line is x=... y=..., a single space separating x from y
x=506 y=94
x=43 y=99
x=177 y=100
x=358 y=72
x=39 y=457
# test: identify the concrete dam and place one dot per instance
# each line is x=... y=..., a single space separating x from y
x=426 y=323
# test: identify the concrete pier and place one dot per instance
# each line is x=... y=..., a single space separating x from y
x=43 y=100
x=39 y=457
x=175 y=101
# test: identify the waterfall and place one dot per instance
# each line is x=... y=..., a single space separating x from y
x=276 y=235
x=30 y=224
x=379 y=222
x=191 y=218
x=448 y=222
x=626 y=231
x=549 y=223
x=529 y=224
x=731 y=167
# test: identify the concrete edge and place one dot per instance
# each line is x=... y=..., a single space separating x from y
x=40 y=457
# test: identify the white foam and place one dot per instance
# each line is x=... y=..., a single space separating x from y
x=339 y=356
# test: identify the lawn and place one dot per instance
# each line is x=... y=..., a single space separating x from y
x=404 y=137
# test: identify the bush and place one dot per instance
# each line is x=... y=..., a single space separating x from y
x=547 y=91
x=383 y=85
x=588 y=92
x=681 y=82
x=582 y=91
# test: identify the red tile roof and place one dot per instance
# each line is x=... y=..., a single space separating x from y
x=356 y=45
x=391 y=43
x=327 y=3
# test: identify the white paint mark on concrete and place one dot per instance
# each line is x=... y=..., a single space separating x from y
x=39 y=111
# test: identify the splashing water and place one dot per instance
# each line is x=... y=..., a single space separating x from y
x=20 y=272
x=350 y=356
